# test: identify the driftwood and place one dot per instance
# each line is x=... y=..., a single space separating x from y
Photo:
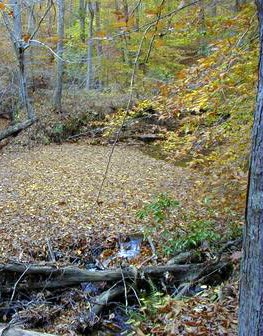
x=6 y=330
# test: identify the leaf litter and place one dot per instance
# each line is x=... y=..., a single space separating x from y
x=49 y=193
x=47 y=200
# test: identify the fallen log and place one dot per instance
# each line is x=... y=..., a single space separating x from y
x=15 y=129
x=100 y=303
x=9 y=330
x=72 y=276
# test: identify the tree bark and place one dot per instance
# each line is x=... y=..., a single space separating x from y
x=15 y=129
x=19 y=46
x=60 y=63
x=99 y=45
x=5 y=330
x=20 y=54
x=251 y=289
x=71 y=276
x=89 y=80
x=239 y=4
x=82 y=19
x=214 y=8
x=155 y=31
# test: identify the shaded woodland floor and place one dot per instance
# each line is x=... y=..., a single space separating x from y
x=48 y=201
x=50 y=193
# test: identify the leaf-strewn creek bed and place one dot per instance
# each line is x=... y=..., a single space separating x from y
x=50 y=192
x=64 y=257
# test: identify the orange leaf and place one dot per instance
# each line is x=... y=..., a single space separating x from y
x=26 y=37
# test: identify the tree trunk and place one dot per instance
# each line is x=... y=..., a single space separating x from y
x=251 y=289
x=60 y=63
x=15 y=129
x=214 y=8
x=82 y=18
x=239 y=4
x=137 y=15
x=99 y=45
x=155 y=31
x=19 y=48
x=89 y=81
x=202 y=28
x=20 y=54
x=6 y=330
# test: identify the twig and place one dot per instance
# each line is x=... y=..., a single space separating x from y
x=183 y=290
x=41 y=20
x=17 y=282
x=136 y=295
x=154 y=255
x=148 y=27
x=125 y=114
x=125 y=291
x=50 y=251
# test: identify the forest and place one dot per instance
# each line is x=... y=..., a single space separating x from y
x=131 y=167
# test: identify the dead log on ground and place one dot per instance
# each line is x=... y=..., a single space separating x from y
x=72 y=276
x=6 y=330
x=15 y=129
x=101 y=302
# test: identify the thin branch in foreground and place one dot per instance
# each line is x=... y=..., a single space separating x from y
x=16 y=284
x=148 y=27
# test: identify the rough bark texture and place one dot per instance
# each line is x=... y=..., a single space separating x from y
x=60 y=63
x=16 y=35
x=239 y=4
x=101 y=301
x=5 y=330
x=89 y=81
x=251 y=290
x=71 y=276
x=82 y=18
x=15 y=129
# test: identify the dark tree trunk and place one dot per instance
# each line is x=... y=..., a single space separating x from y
x=239 y=4
x=60 y=51
x=251 y=281
x=82 y=18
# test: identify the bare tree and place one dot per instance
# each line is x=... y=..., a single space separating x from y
x=251 y=289
x=239 y=4
x=98 y=29
x=213 y=7
x=82 y=18
x=60 y=64
x=155 y=31
x=89 y=79
x=20 y=45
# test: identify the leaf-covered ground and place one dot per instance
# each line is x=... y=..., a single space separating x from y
x=50 y=192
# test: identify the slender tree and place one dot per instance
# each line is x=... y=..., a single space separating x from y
x=213 y=7
x=251 y=288
x=20 y=46
x=161 y=5
x=239 y=4
x=98 y=44
x=82 y=18
x=89 y=79
x=60 y=62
